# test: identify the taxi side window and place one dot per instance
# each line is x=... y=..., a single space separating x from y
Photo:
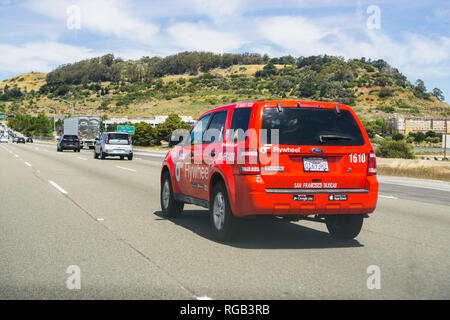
x=239 y=124
x=216 y=128
x=199 y=129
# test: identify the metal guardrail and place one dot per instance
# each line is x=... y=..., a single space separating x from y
x=43 y=138
x=437 y=158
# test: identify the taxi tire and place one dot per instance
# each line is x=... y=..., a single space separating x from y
x=229 y=231
x=344 y=227
x=174 y=208
x=102 y=155
x=130 y=157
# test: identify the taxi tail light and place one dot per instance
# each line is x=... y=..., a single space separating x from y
x=129 y=139
x=372 y=165
x=106 y=139
x=248 y=161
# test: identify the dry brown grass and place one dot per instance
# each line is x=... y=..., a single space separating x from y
x=421 y=169
x=31 y=81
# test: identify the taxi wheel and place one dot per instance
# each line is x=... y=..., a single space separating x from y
x=223 y=223
x=344 y=227
x=170 y=207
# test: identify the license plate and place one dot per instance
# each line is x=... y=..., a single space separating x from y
x=315 y=164
x=120 y=151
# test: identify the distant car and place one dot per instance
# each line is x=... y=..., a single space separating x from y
x=114 y=144
x=29 y=140
x=68 y=142
x=20 y=140
x=15 y=139
x=4 y=139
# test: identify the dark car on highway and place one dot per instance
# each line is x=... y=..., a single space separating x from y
x=69 y=142
x=29 y=140
x=20 y=140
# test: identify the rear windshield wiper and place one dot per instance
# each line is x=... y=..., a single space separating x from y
x=324 y=138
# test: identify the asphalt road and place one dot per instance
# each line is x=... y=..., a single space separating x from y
x=63 y=209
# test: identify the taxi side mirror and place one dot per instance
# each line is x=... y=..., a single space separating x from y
x=175 y=139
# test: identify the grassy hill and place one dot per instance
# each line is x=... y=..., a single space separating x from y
x=191 y=83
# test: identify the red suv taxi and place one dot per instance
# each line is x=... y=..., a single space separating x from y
x=291 y=159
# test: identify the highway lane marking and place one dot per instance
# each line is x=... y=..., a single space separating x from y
x=128 y=169
x=204 y=298
x=84 y=159
x=58 y=187
x=16 y=156
x=388 y=197
x=28 y=164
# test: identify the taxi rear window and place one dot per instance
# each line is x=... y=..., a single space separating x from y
x=310 y=126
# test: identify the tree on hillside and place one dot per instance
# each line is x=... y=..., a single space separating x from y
x=420 y=91
x=438 y=94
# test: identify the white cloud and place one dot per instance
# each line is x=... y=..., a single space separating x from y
x=294 y=35
x=413 y=54
x=218 y=10
x=46 y=56
x=106 y=17
x=40 y=57
x=200 y=36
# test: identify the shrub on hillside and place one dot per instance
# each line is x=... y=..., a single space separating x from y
x=394 y=149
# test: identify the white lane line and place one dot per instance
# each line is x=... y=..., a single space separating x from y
x=138 y=158
x=84 y=159
x=204 y=298
x=58 y=187
x=388 y=197
x=16 y=156
x=128 y=169
x=27 y=164
x=100 y=219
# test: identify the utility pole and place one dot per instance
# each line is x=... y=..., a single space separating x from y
x=445 y=139
x=54 y=121
x=68 y=102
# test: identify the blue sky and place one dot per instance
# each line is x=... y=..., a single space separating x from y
x=413 y=36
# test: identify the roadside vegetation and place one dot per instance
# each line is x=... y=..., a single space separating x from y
x=30 y=126
x=145 y=135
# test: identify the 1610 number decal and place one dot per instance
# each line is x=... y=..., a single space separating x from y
x=357 y=158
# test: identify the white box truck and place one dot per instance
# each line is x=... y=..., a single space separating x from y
x=86 y=128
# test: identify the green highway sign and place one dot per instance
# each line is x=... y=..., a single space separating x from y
x=126 y=129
